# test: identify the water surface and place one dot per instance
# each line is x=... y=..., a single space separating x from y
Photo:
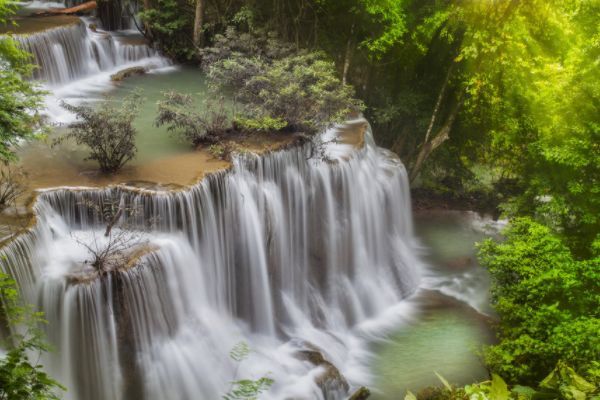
x=453 y=318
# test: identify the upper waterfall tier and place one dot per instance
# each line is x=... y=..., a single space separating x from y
x=283 y=249
x=67 y=53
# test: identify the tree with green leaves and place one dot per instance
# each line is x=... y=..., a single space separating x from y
x=20 y=99
x=373 y=26
x=21 y=375
x=278 y=88
x=107 y=130
x=547 y=302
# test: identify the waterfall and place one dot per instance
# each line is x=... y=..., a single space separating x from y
x=283 y=250
x=68 y=53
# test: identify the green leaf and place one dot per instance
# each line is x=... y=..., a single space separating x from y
x=410 y=396
x=498 y=389
x=444 y=381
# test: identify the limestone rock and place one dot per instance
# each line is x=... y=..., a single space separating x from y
x=126 y=73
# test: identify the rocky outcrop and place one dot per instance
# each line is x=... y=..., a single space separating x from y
x=126 y=73
x=331 y=381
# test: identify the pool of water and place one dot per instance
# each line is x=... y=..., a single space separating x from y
x=152 y=141
x=161 y=157
x=453 y=317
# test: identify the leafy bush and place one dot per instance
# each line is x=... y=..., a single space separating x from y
x=548 y=304
x=170 y=25
x=20 y=377
x=107 y=130
x=275 y=85
x=196 y=126
x=217 y=151
x=261 y=124
x=11 y=186
x=20 y=98
x=257 y=43
x=562 y=383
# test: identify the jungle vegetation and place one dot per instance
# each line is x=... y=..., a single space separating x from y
x=500 y=97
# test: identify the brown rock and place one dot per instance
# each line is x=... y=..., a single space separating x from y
x=126 y=73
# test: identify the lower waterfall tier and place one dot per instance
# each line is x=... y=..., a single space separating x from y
x=284 y=251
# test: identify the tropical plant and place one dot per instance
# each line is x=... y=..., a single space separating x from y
x=561 y=383
x=22 y=378
x=107 y=130
x=547 y=302
x=197 y=125
x=245 y=389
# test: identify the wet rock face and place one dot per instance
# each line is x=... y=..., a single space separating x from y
x=331 y=381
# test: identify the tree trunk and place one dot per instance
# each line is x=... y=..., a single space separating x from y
x=440 y=137
x=87 y=6
x=199 y=23
x=398 y=146
x=438 y=104
x=348 y=57
x=147 y=30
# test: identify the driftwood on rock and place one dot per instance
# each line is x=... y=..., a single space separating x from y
x=87 y=6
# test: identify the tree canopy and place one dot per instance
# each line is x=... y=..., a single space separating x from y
x=19 y=98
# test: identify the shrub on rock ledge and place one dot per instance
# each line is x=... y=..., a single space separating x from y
x=194 y=124
x=107 y=130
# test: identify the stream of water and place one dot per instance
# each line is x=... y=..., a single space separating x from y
x=289 y=253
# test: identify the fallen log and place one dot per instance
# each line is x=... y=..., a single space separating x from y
x=87 y=6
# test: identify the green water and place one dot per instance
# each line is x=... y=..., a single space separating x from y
x=446 y=334
x=154 y=142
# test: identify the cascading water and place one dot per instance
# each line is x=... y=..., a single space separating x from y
x=64 y=54
x=284 y=251
x=76 y=62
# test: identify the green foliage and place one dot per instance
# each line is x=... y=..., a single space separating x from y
x=234 y=43
x=547 y=302
x=195 y=125
x=170 y=24
x=20 y=378
x=19 y=98
x=561 y=383
x=261 y=124
x=107 y=130
x=240 y=352
x=245 y=389
x=217 y=151
x=374 y=25
x=301 y=90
